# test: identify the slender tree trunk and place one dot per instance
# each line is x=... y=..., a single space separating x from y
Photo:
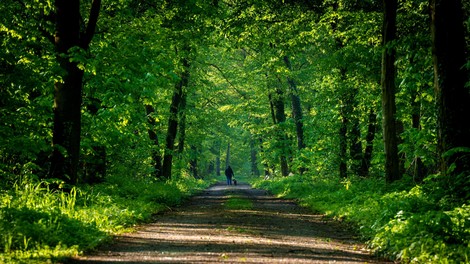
x=343 y=143
x=253 y=155
x=173 y=121
x=182 y=123
x=401 y=156
x=265 y=164
x=344 y=112
x=354 y=135
x=280 y=119
x=227 y=156
x=392 y=172
x=296 y=107
x=367 y=156
x=156 y=156
x=419 y=169
x=452 y=96
x=217 y=159
x=355 y=147
x=296 y=110
x=68 y=91
x=193 y=161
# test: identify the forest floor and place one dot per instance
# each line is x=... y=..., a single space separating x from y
x=206 y=230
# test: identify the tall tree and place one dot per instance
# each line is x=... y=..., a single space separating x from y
x=452 y=95
x=392 y=171
x=69 y=41
x=175 y=109
x=297 y=114
x=156 y=156
x=367 y=156
x=227 y=156
x=279 y=118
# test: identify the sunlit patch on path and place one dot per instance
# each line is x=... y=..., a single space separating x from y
x=206 y=231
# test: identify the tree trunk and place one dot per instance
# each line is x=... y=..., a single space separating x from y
x=217 y=159
x=68 y=91
x=265 y=164
x=253 y=155
x=452 y=96
x=343 y=168
x=173 y=121
x=296 y=107
x=344 y=112
x=392 y=172
x=280 y=119
x=156 y=156
x=227 y=156
x=419 y=169
x=367 y=156
x=193 y=162
x=401 y=156
x=355 y=147
x=296 y=110
x=182 y=123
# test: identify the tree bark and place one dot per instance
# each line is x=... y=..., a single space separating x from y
x=452 y=96
x=253 y=156
x=297 y=114
x=367 y=156
x=392 y=172
x=217 y=159
x=419 y=168
x=279 y=115
x=173 y=121
x=68 y=91
x=182 y=123
x=156 y=156
x=193 y=169
x=227 y=156
x=355 y=145
x=343 y=143
x=296 y=107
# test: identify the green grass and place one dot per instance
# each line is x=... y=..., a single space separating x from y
x=38 y=224
x=403 y=221
x=237 y=203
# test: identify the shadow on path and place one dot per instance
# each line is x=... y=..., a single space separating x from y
x=206 y=231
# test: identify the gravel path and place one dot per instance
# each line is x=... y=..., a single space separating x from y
x=205 y=230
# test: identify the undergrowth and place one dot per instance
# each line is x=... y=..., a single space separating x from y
x=38 y=224
x=403 y=221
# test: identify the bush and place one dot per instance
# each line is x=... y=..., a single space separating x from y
x=403 y=221
x=37 y=223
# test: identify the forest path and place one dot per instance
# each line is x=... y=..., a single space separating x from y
x=206 y=230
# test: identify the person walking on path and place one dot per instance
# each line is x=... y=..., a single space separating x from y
x=229 y=175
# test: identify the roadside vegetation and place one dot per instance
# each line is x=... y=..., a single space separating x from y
x=403 y=221
x=41 y=224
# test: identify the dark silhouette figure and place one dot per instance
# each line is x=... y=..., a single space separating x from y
x=229 y=175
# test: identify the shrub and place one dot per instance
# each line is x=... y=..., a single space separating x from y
x=403 y=221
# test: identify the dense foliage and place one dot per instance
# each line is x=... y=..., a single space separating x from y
x=38 y=223
x=403 y=221
x=160 y=91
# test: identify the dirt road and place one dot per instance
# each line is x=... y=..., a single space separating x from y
x=207 y=230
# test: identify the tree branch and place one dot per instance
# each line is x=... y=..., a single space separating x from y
x=92 y=21
x=242 y=94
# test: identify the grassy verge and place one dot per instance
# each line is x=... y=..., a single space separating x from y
x=402 y=221
x=40 y=225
